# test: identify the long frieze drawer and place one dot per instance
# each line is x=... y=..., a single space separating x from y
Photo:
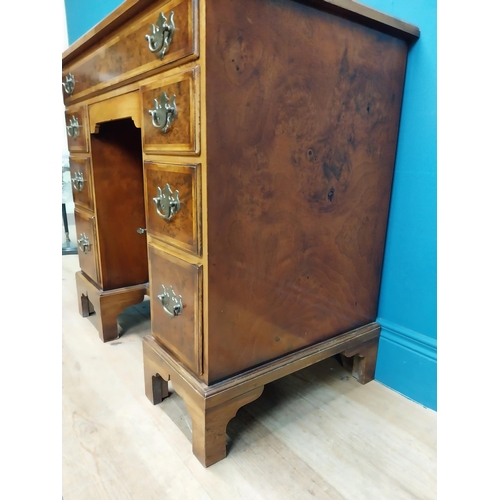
x=160 y=36
x=81 y=182
x=175 y=288
x=76 y=129
x=173 y=205
x=170 y=118
x=87 y=251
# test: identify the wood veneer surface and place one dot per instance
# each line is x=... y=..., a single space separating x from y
x=302 y=126
x=119 y=203
x=326 y=435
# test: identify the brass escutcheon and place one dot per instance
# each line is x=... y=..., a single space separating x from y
x=78 y=181
x=69 y=84
x=73 y=128
x=167 y=202
x=83 y=243
x=164 y=112
x=161 y=34
x=172 y=304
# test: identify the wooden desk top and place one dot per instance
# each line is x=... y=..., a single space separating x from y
x=346 y=8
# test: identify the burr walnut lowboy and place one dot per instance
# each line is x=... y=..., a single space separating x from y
x=233 y=160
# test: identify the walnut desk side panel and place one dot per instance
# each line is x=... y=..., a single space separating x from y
x=302 y=124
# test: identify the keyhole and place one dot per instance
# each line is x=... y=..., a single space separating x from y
x=330 y=194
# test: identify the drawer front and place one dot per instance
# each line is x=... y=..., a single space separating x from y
x=76 y=129
x=170 y=114
x=128 y=54
x=87 y=251
x=173 y=204
x=173 y=281
x=81 y=182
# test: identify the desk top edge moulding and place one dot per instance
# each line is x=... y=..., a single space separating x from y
x=237 y=169
x=129 y=8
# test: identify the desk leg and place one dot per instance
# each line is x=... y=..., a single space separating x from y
x=361 y=361
x=107 y=305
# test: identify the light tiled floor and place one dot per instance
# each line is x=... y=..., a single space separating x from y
x=315 y=434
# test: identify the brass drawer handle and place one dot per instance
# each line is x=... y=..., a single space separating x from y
x=161 y=34
x=164 y=112
x=167 y=203
x=69 y=84
x=172 y=304
x=78 y=181
x=73 y=128
x=83 y=243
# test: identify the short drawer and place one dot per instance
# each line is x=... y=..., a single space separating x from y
x=76 y=129
x=175 y=288
x=86 y=240
x=173 y=205
x=129 y=52
x=170 y=114
x=81 y=182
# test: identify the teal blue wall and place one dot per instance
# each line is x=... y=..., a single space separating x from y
x=408 y=303
x=82 y=15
